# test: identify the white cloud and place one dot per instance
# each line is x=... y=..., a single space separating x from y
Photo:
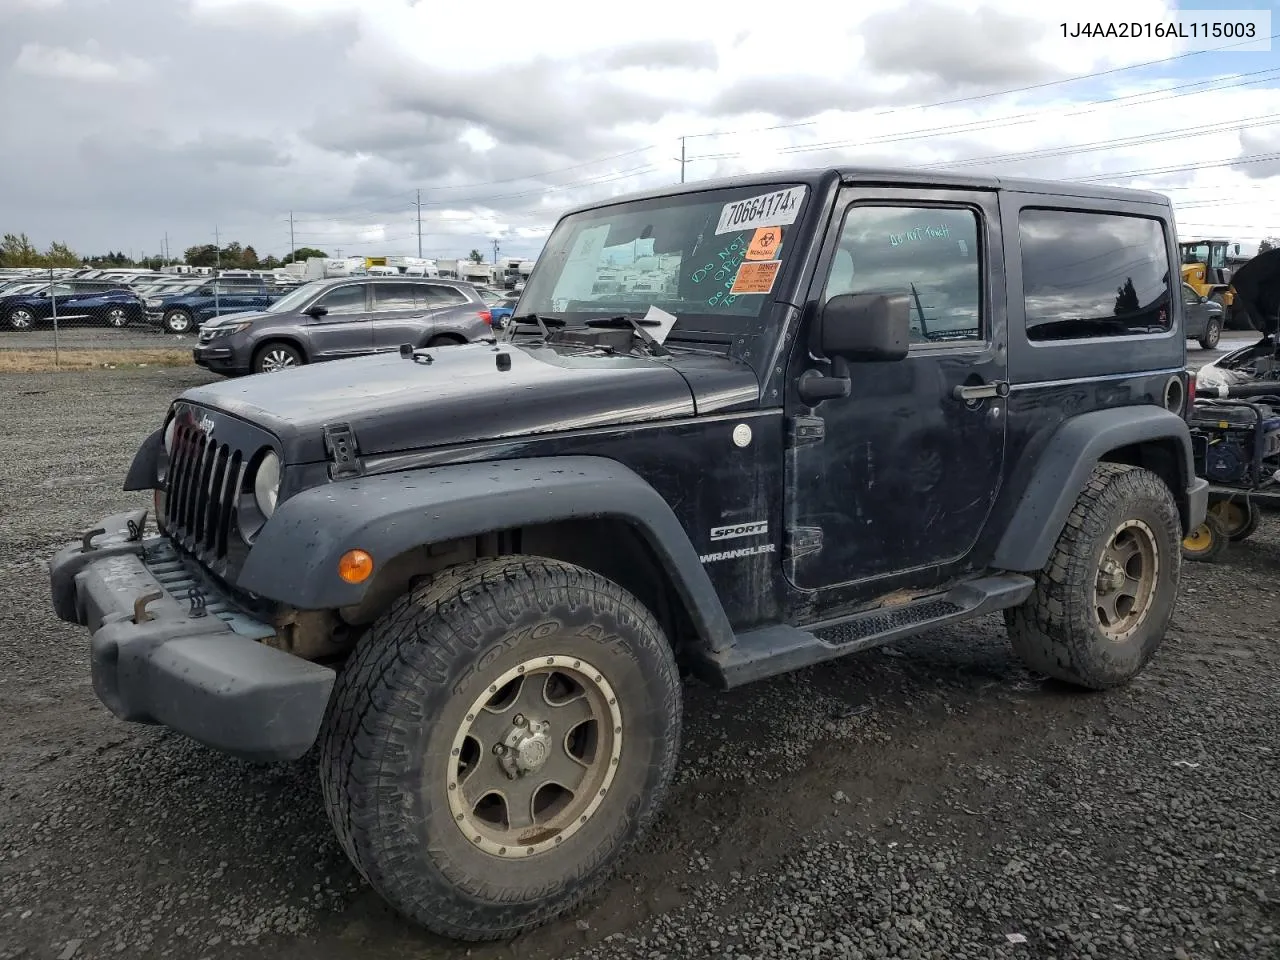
x=59 y=63
x=341 y=111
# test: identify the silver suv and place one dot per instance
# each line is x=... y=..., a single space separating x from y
x=343 y=317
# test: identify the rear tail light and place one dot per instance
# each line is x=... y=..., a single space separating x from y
x=1191 y=394
x=486 y=316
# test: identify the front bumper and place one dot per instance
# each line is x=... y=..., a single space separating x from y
x=217 y=359
x=167 y=647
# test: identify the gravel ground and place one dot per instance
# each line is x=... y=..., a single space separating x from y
x=930 y=800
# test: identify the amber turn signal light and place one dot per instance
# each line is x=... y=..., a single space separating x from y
x=355 y=566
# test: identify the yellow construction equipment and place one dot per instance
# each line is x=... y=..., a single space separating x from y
x=1205 y=270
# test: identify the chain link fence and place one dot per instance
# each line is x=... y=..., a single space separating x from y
x=55 y=318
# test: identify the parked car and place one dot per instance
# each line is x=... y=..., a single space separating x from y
x=189 y=308
x=344 y=317
x=1203 y=318
x=501 y=305
x=74 y=302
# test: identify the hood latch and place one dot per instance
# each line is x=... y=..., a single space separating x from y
x=344 y=452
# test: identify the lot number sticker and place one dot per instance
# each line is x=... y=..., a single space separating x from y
x=755 y=276
x=778 y=209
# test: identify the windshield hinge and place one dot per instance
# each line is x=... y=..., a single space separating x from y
x=802 y=430
x=340 y=444
x=801 y=542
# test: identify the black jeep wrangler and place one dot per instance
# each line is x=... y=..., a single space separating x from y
x=735 y=428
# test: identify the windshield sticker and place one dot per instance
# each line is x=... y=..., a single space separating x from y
x=719 y=272
x=755 y=276
x=777 y=209
x=764 y=244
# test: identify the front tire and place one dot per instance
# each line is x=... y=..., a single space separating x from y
x=1104 y=600
x=178 y=321
x=274 y=357
x=444 y=786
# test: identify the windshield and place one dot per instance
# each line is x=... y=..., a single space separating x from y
x=704 y=255
x=293 y=299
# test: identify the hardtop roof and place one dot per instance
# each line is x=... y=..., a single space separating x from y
x=816 y=177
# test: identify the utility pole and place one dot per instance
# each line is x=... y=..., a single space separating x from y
x=293 y=251
x=166 y=249
x=419 y=224
x=217 y=269
x=681 y=159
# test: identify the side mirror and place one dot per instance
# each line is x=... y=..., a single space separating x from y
x=1204 y=299
x=866 y=327
x=318 y=311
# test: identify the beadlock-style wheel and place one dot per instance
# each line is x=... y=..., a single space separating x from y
x=1126 y=581
x=535 y=756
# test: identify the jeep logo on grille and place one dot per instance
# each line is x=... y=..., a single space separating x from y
x=205 y=426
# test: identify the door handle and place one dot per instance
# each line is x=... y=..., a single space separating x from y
x=981 y=391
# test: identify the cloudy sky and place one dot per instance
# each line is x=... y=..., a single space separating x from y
x=124 y=120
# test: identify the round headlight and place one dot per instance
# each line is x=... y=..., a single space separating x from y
x=266 y=484
x=168 y=436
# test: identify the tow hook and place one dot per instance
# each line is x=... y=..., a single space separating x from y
x=140 y=614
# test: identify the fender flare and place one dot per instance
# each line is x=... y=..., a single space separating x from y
x=1064 y=467
x=144 y=471
x=294 y=559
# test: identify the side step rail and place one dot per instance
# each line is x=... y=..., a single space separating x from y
x=780 y=648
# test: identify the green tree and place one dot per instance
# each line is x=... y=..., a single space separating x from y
x=17 y=250
x=475 y=256
x=249 y=258
x=302 y=254
x=61 y=255
x=270 y=262
x=204 y=255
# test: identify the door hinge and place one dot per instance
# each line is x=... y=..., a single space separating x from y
x=802 y=541
x=801 y=430
x=340 y=444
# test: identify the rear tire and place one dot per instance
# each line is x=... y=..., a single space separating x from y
x=1104 y=600
x=439 y=700
x=1212 y=334
x=446 y=340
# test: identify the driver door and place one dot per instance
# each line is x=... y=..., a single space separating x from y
x=908 y=468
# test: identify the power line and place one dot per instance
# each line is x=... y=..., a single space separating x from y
x=812 y=122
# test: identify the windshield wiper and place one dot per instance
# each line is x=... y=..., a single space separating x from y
x=530 y=319
x=638 y=325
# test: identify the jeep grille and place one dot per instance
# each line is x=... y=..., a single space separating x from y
x=205 y=478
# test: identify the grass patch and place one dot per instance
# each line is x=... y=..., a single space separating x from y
x=41 y=361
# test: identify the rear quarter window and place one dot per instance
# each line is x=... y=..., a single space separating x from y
x=1088 y=275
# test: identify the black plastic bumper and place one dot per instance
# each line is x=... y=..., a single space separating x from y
x=199 y=669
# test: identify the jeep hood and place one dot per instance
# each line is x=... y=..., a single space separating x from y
x=464 y=394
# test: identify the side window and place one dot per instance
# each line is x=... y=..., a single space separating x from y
x=930 y=254
x=1093 y=275
x=1189 y=296
x=438 y=295
x=393 y=296
x=343 y=300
